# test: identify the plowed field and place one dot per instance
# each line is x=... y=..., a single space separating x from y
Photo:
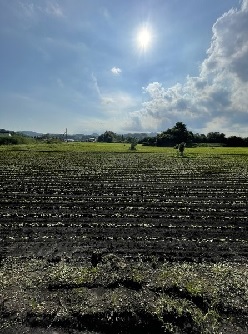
x=132 y=242
x=134 y=204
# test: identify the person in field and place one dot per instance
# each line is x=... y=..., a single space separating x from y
x=181 y=148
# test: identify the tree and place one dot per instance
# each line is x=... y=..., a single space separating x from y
x=216 y=137
x=235 y=141
x=133 y=141
x=148 y=141
x=175 y=135
x=199 y=138
x=109 y=137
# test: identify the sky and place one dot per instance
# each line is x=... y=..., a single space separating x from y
x=124 y=66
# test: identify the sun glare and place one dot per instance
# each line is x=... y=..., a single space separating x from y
x=144 y=38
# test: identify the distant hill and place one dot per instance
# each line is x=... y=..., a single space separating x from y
x=30 y=133
x=3 y=131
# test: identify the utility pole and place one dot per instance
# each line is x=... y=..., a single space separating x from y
x=65 y=133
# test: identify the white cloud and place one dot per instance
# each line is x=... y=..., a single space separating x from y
x=113 y=102
x=28 y=9
x=52 y=8
x=49 y=8
x=116 y=70
x=116 y=105
x=95 y=85
x=245 y=5
x=218 y=95
x=107 y=100
x=227 y=125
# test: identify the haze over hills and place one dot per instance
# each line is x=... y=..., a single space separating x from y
x=81 y=136
x=31 y=133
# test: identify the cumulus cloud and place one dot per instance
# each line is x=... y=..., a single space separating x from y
x=116 y=70
x=218 y=95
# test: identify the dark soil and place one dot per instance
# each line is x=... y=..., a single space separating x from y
x=87 y=210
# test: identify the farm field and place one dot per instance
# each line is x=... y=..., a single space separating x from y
x=96 y=238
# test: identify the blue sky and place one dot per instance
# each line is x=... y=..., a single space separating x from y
x=78 y=64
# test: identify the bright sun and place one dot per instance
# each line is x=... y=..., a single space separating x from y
x=144 y=38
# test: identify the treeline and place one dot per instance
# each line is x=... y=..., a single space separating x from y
x=175 y=135
x=12 y=138
x=179 y=133
x=15 y=140
x=112 y=137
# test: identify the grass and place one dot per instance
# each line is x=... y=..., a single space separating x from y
x=177 y=296
x=125 y=148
